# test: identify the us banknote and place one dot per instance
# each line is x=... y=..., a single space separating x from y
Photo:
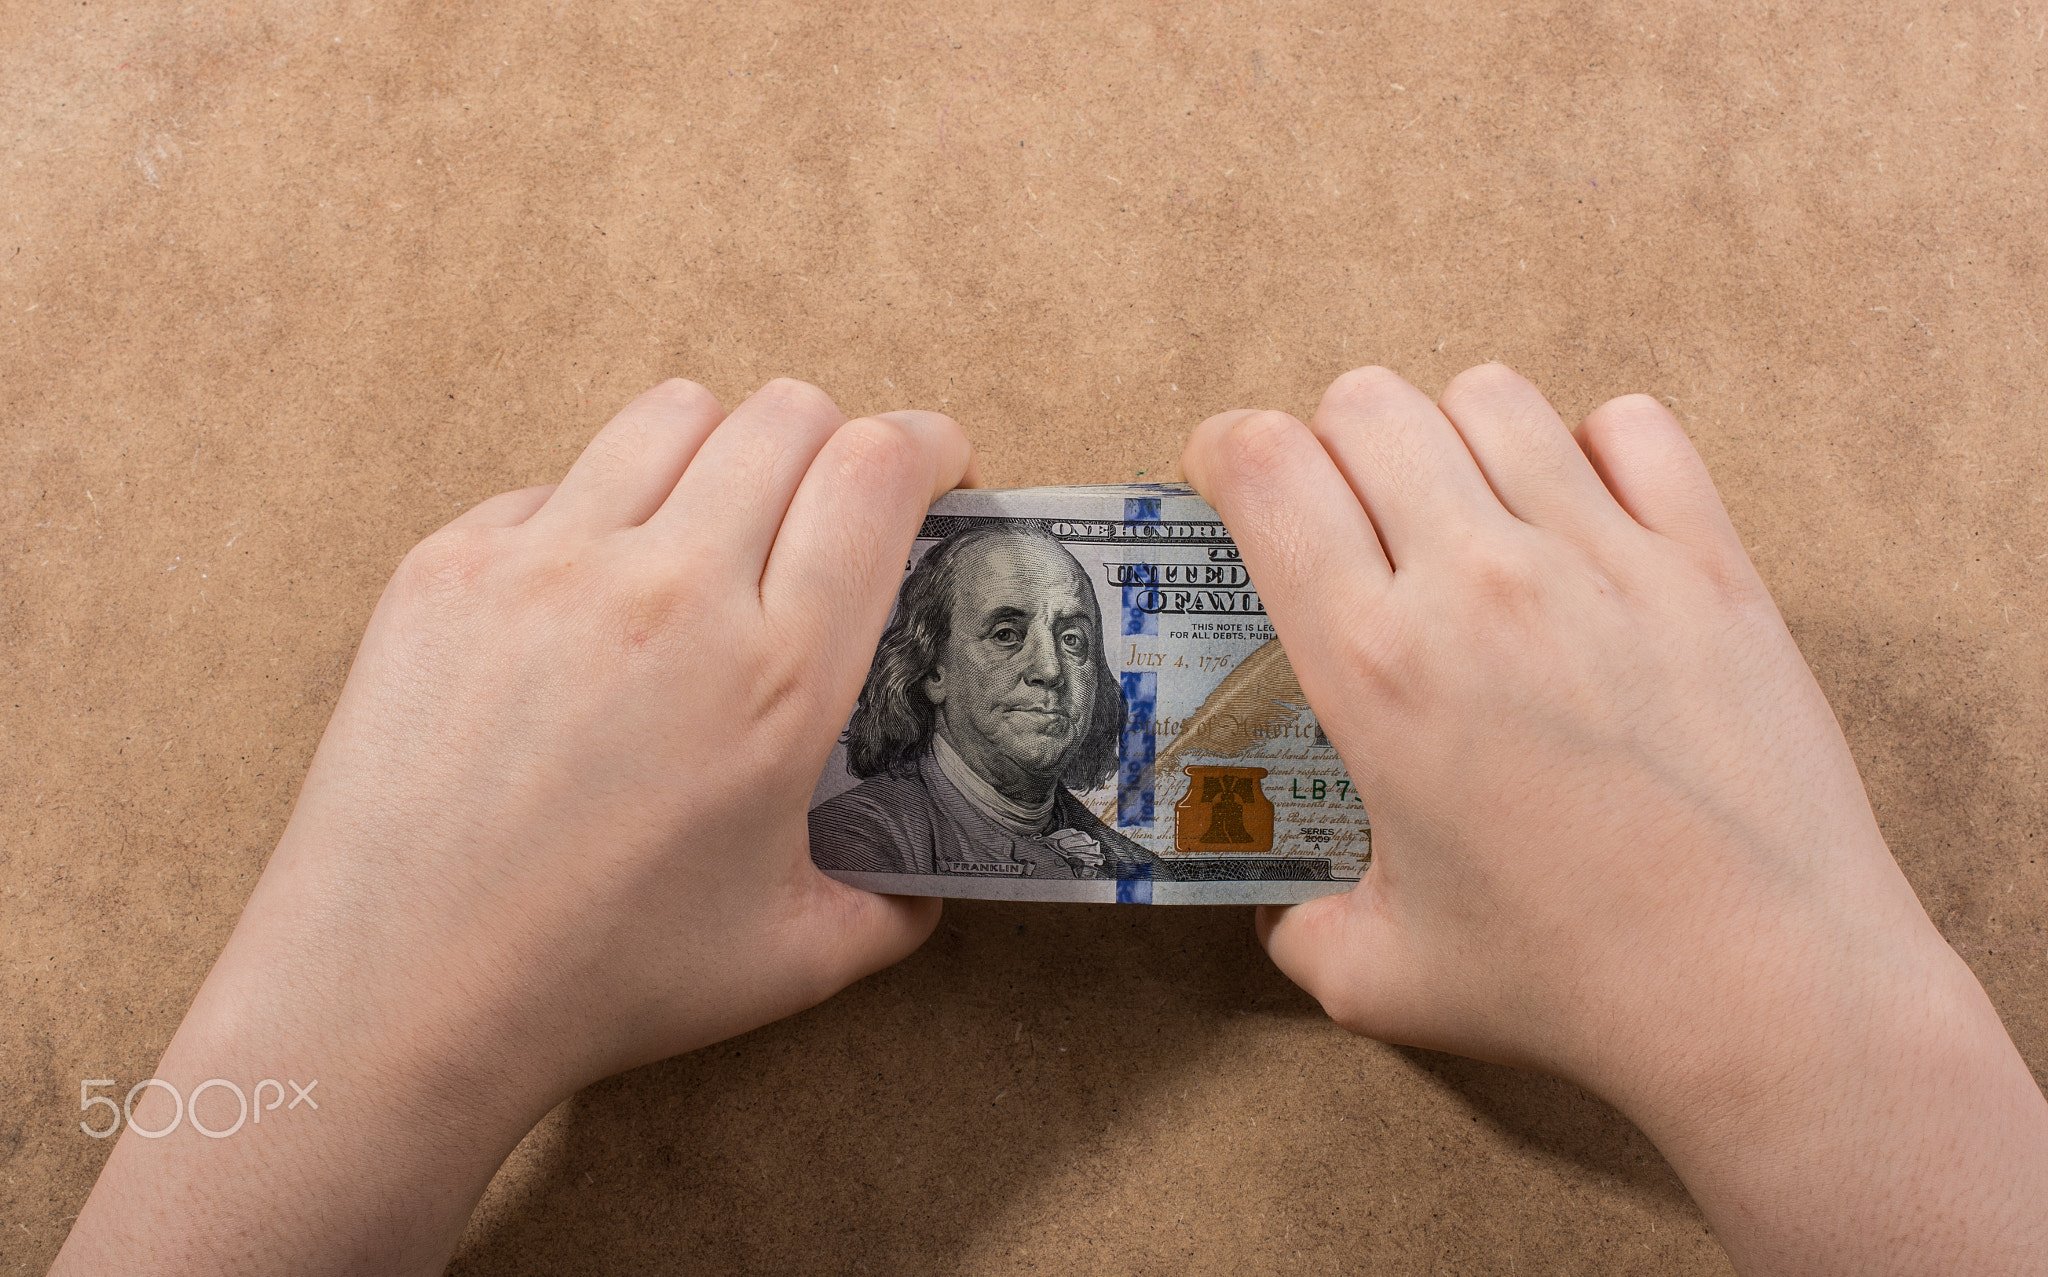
x=1079 y=697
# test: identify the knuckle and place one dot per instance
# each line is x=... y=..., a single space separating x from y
x=800 y=396
x=1502 y=579
x=1369 y=382
x=617 y=448
x=653 y=609
x=1635 y=404
x=1730 y=579
x=1257 y=446
x=680 y=393
x=873 y=446
x=445 y=566
x=935 y=421
x=1487 y=383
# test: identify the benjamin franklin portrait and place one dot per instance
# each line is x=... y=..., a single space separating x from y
x=989 y=705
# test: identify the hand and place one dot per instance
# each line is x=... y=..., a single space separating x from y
x=554 y=830
x=1617 y=833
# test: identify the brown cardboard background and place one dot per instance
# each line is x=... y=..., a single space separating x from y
x=282 y=290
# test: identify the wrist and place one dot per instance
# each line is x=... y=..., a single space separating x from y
x=421 y=1037
x=1845 y=1102
x=406 y=1115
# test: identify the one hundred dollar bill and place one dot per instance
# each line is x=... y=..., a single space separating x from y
x=1079 y=697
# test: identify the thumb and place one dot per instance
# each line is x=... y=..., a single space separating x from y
x=857 y=933
x=1345 y=951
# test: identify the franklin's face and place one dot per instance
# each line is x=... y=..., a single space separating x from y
x=1015 y=685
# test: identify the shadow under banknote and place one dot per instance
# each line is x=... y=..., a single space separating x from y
x=895 y=1127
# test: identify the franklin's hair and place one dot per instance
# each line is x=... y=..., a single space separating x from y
x=893 y=723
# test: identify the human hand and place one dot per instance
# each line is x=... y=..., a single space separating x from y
x=1618 y=835
x=555 y=828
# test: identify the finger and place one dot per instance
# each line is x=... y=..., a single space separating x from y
x=1643 y=456
x=731 y=500
x=1298 y=526
x=506 y=510
x=1529 y=457
x=632 y=464
x=1342 y=951
x=1408 y=466
x=838 y=557
x=859 y=932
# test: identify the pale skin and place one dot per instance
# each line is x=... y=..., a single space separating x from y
x=1618 y=835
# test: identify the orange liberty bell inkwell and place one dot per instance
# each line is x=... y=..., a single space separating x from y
x=1224 y=810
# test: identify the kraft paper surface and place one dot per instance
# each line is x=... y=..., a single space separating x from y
x=283 y=290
